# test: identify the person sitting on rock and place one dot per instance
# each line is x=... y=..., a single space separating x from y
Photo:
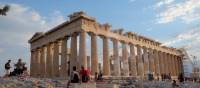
x=25 y=74
x=7 y=68
x=85 y=77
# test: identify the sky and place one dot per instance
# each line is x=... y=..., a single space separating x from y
x=175 y=23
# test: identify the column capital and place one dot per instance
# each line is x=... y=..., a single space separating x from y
x=122 y=41
x=65 y=38
x=113 y=39
x=75 y=34
x=33 y=50
x=103 y=36
x=91 y=33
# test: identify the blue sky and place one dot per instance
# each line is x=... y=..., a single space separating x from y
x=173 y=22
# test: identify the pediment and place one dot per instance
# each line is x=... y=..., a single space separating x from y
x=36 y=35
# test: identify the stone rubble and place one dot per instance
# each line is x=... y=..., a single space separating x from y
x=14 y=82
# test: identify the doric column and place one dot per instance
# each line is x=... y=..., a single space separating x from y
x=82 y=50
x=94 y=54
x=132 y=65
x=151 y=61
x=161 y=66
x=174 y=65
x=146 y=61
x=49 y=65
x=140 y=62
x=89 y=63
x=165 y=63
x=38 y=62
x=169 y=64
x=64 y=57
x=157 y=63
x=116 y=58
x=42 y=60
x=106 y=61
x=177 y=65
x=33 y=63
x=125 y=59
x=73 y=56
x=56 y=59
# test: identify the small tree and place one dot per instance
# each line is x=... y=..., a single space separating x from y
x=4 y=10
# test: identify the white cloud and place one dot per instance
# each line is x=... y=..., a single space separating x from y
x=185 y=11
x=189 y=40
x=18 y=27
x=163 y=2
x=22 y=22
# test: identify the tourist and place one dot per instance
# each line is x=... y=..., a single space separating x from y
x=7 y=68
x=96 y=76
x=24 y=75
x=75 y=78
x=85 y=77
x=180 y=77
x=100 y=76
x=170 y=78
x=24 y=68
x=19 y=67
x=174 y=85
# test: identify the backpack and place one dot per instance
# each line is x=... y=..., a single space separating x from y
x=85 y=76
x=75 y=78
x=7 y=66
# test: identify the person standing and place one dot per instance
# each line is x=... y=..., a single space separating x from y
x=19 y=67
x=7 y=68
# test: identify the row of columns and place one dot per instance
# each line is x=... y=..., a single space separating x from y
x=137 y=63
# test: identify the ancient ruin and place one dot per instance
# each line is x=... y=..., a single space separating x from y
x=52 y=57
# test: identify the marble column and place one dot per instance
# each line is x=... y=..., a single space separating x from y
x=73 y=56
x=49 y=68
x=56 y=59
x=125 y=59
x=165 y=63
x=161 y=66
x=146 y=61
x=116 y=58
x=157 y=63
x=94 y=54
x=64 y=57
x=106 y=61
x=42 y=60
x=82 y=50
x=38 y=62
x=174 y=66
x=177 y=66
x=140 y=62
x=33 y=63
x=151 y=61
x=133 y=65
x=89 y=63
x=169 y=64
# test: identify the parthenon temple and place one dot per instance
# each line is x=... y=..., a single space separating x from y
x=55 y=52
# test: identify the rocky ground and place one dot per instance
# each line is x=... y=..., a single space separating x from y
x=49 y=83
